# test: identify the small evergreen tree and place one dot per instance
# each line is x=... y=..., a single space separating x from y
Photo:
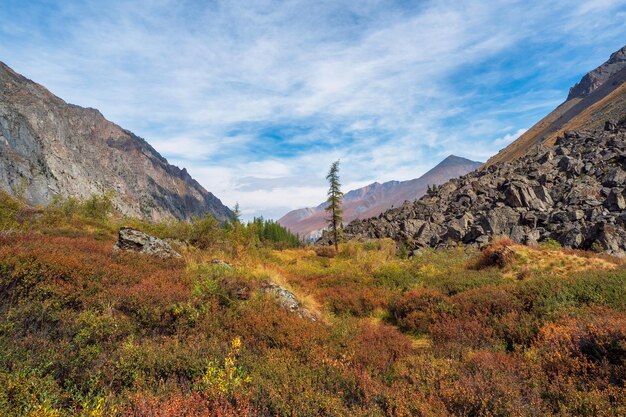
x=335 y=197
x=236 y=214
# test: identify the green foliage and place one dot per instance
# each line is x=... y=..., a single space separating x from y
x=394 y=276
x=98 y=206
x=236 y=214
x=333 y=203
x=227 y=379
x=273 y=233
x=205 y=232
x=9 y=209
x=550 y=244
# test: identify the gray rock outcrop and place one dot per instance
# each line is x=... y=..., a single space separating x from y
x=574 y=193
x=288 y=300
x=130 y=239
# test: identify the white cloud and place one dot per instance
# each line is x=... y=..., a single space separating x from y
x=509 y=137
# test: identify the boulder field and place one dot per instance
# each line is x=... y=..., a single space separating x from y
x=573 y=192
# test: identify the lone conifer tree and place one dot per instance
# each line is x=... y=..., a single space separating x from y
x=335 y=196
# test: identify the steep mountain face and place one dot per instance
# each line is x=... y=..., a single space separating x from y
x=600 y=95
x=375 y=198
x=50 y=147
x=573 y=192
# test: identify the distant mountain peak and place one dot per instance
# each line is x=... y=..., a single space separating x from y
x=596 y=78
x=376 y=197
x=453 y=159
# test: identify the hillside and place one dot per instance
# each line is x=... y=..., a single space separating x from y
x=86 y=330
x=49 y=147
x=599 y=96
x=375 y=198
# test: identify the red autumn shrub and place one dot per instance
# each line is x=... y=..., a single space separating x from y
x=492 y=384
x=378 y=347
x=486 y=301
x=593 y=346
x=452 y=336
x=189 y=405
x=417 y=310
x=357 y=302
x=497 y=254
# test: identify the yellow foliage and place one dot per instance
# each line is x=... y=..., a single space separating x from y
x=227 y=379
x=45 y=411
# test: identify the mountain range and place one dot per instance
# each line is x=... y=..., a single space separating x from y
x=49 y=147
x=375 y=198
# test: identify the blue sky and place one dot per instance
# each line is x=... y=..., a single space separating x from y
x=257 y=98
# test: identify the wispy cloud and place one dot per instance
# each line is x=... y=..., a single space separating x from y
x=257 y=98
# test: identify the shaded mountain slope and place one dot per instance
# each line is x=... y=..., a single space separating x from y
x=49 y=147
x=375 y=198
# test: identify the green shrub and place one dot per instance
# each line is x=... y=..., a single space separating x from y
x=98 y=206
x=9 y=209
x=394 y=276
x=454 y=283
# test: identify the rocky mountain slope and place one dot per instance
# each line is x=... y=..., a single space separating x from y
x=49 y=147
x=600 y=95
x=573 y=192
x=375 y=198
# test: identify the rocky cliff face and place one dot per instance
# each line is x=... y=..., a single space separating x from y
x=573 y=192
x=596 y=78
x=600 y=95
x=375 y=198
x=50 y=147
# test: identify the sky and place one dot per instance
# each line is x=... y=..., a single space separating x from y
x=257 y=98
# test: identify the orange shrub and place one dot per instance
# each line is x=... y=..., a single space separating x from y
x=492 y=384
x=453 y=336
x=497 y=254
x=378 y=347
x=356 y=302
x=593 y=346
x=417 y=310
x=189 y=405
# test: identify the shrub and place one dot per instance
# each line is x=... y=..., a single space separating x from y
x=324 y=251
x=377 y=348
x=98 y=206
x=592 y=346
x=205 y=232
x=452 y=283
x=228 y=379
x=497 y=254
x=9 y=210
x=453 y=336
x=356 y=302
x=417 y=309
x=394 y=276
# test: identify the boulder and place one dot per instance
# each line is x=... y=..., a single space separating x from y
x=615 y=200
x=616 y=177
x=523 y=195
x=221 y=263
x=288 y=300
x=133 y=240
